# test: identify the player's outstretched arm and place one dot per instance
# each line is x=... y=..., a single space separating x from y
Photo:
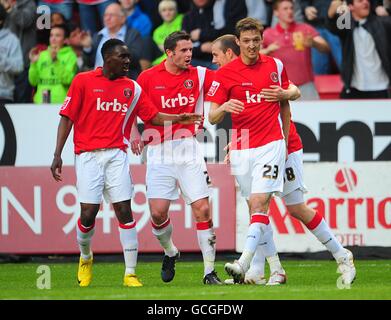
x=64 y=128
x=217 y=112
x=182 y=118
x=276 y=93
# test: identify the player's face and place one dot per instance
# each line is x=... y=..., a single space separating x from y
x=181 y=55
x=360 y=8
x=219 y=57
x=250 y=44
x=285 y=12
x=118 y=63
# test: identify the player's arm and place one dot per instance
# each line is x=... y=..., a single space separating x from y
x=276 y=93
x=217 y=112
x=136 y=143
x=64 y=128
x=184 y=118
x=285 y=112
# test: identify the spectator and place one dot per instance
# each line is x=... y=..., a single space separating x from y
x=291 y=42
x=299 y=17
x=136 y=18
x=209 y=19
x=172 y=21
x=89 y=11
x=52 y=70
x=151 y=8
x=379 y=7
x=316 y=15
x=366 y=50
x=258 y=9
x=11 y=59
x=63 y=7
x=21 y=21
x=115 y=27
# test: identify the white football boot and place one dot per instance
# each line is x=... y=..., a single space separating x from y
x=346 y=268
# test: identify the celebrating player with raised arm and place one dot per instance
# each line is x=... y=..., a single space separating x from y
x=101 y=106
x=174 y=155
x=224 y=50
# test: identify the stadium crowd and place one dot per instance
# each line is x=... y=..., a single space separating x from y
x=38 y=61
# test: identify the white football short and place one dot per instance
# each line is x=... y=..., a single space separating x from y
x=259 y=170
x=176 y=163
x=105 y=173
x=294 y=186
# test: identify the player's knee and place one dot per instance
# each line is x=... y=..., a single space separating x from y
x=87 y=217
x=158 y=216
x=202 y=212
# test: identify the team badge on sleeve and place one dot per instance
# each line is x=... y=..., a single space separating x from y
x=188 y=84
x=127 y=92
x=213 y=88
x=274 y=76
x=65 y=103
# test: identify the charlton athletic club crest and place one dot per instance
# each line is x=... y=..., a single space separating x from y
x=274 y=76
x=127 y=92
x=188 y=84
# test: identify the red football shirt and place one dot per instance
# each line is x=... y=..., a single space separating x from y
x=294 y=140
x=103 y=110
x=174 y=94
x=259 y=123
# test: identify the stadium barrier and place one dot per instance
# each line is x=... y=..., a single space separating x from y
x=341 y=141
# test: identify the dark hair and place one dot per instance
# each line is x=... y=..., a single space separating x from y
x=109 y=46
x=64 y=28
x=228 y=41
x=247 y=24
x=172 y=39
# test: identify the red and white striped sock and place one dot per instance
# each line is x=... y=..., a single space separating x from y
x=323 y=233
x=163 y=234
x=207 y=243
x=258 y=223
x=128 y=237
x=84 y=236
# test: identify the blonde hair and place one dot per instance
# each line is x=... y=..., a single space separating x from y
x=167 y=4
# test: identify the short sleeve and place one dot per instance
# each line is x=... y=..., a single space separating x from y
x=266 y=41
x=217 y=92
x=73 y=101
x=284 y=79
x=209 y=77
x=146 y=110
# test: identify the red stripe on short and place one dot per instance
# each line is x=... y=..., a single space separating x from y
x=204 y=225
x=316 y=220
x=128 y=226
x=259 y=218
x=163 y=225
x=83 y=228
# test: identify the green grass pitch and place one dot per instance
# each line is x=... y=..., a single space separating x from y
x=307 y=279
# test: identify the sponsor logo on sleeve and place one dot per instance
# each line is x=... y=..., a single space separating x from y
x=213 y=88
x=65 y=104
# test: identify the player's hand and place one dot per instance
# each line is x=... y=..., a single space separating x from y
x=275 y=94
x=228 y=155
x=137 y=146
x=233 y=106
x=190 y=118
x=56 y=168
